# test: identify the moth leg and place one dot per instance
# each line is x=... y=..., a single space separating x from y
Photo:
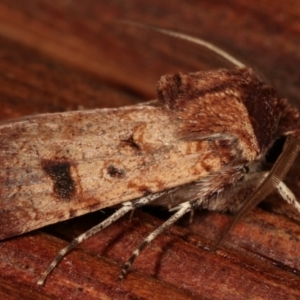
x=288 y=195
x=183 y=208
x=126 y=207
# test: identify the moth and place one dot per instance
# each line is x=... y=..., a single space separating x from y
x=220 y=140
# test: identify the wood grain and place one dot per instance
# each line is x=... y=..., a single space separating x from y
x=57 y=56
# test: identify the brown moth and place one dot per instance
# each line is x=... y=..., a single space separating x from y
x=220 y=140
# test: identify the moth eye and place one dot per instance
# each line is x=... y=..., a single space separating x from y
x=276 y=149
x=246 y=169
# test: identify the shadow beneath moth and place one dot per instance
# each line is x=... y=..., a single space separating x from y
x=209 y=141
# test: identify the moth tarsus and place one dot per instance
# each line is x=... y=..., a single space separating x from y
x=205 y=143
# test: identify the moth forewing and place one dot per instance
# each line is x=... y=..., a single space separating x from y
x=57 y=166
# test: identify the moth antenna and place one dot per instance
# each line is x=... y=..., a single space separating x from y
x=191 y=39
x=273 y=180
x=127 y=206
x=183 y=209
x=288 y=195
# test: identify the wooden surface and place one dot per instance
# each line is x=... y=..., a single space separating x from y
x=67 y=55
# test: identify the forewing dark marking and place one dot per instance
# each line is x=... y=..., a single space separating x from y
x=59 y=170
